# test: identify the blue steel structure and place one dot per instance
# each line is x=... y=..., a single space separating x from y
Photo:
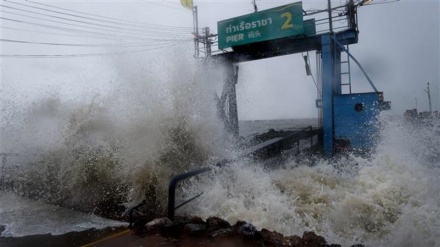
x=331 y=86
x=348 y=120
x=356 y=120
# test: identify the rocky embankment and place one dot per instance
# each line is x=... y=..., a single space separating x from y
x=218 y=232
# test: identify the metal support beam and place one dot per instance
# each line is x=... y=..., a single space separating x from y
x=227 y=102
x=330 y=20
x=232 y=100
x=331 y=85
x=356 y=61
x=330 y=47
x=207 y=42
x=283 y=46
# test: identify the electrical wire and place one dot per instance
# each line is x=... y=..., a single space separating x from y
x=87 y=33
x=117 y=32
x=81 y=45
x=84 y=55
x=126 y=30
x=71 y=35
x=313 y=78
x=115 y=20
x=166 y=35
x=50 y=33
x=93 y=34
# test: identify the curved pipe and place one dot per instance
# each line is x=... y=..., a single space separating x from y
x=172 y=188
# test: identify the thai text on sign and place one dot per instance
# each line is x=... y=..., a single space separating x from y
x=279 y=22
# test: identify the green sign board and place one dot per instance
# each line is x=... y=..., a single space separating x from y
x=309 y=27
x=279 y=22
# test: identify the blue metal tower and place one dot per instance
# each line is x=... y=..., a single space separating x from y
x=349 y=121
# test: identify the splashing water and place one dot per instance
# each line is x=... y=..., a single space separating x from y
x=123 y=146
x=116 y=148
x=389 y=199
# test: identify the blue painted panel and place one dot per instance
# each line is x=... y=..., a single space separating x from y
x=355 y=119
x=327 y=93
x=331 y=84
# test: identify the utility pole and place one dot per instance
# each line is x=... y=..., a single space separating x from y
x=351 y=11
x=255 y=5
x=196 y=32
x=207 y=42
x=416 y=102
x=330 y=19
x=429 y=97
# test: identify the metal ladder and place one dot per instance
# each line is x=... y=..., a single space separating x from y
x=347 y=73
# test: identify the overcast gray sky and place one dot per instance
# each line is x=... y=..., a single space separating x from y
x=398 y=46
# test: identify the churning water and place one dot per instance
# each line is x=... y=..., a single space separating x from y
x=120 y=148
x=103 y=152
x=389 y=199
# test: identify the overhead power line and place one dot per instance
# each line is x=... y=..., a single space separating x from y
x=84 y=55
x=148 y=35
x=120 y=29
x=90 y=33
x=50 y=33
x=105 y=19
x=105 y=31
x=86 y=45
x=86 y=36
x=85 y=33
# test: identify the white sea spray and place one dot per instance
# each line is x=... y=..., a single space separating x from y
x=159 y=120
x=121 y=145
x=388 y=199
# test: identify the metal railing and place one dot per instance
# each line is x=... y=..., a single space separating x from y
x=301 y=133
x=172 y=190
x=297 y=136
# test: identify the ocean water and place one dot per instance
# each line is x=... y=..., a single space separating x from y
x=102 y=154
x=252 y=127
x=388 y=199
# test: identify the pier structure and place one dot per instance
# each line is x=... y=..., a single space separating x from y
x=348 y=119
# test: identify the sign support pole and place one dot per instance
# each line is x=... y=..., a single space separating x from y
x=331 y=85
x=330 y=19
x=232 y=98
x=196 y=32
